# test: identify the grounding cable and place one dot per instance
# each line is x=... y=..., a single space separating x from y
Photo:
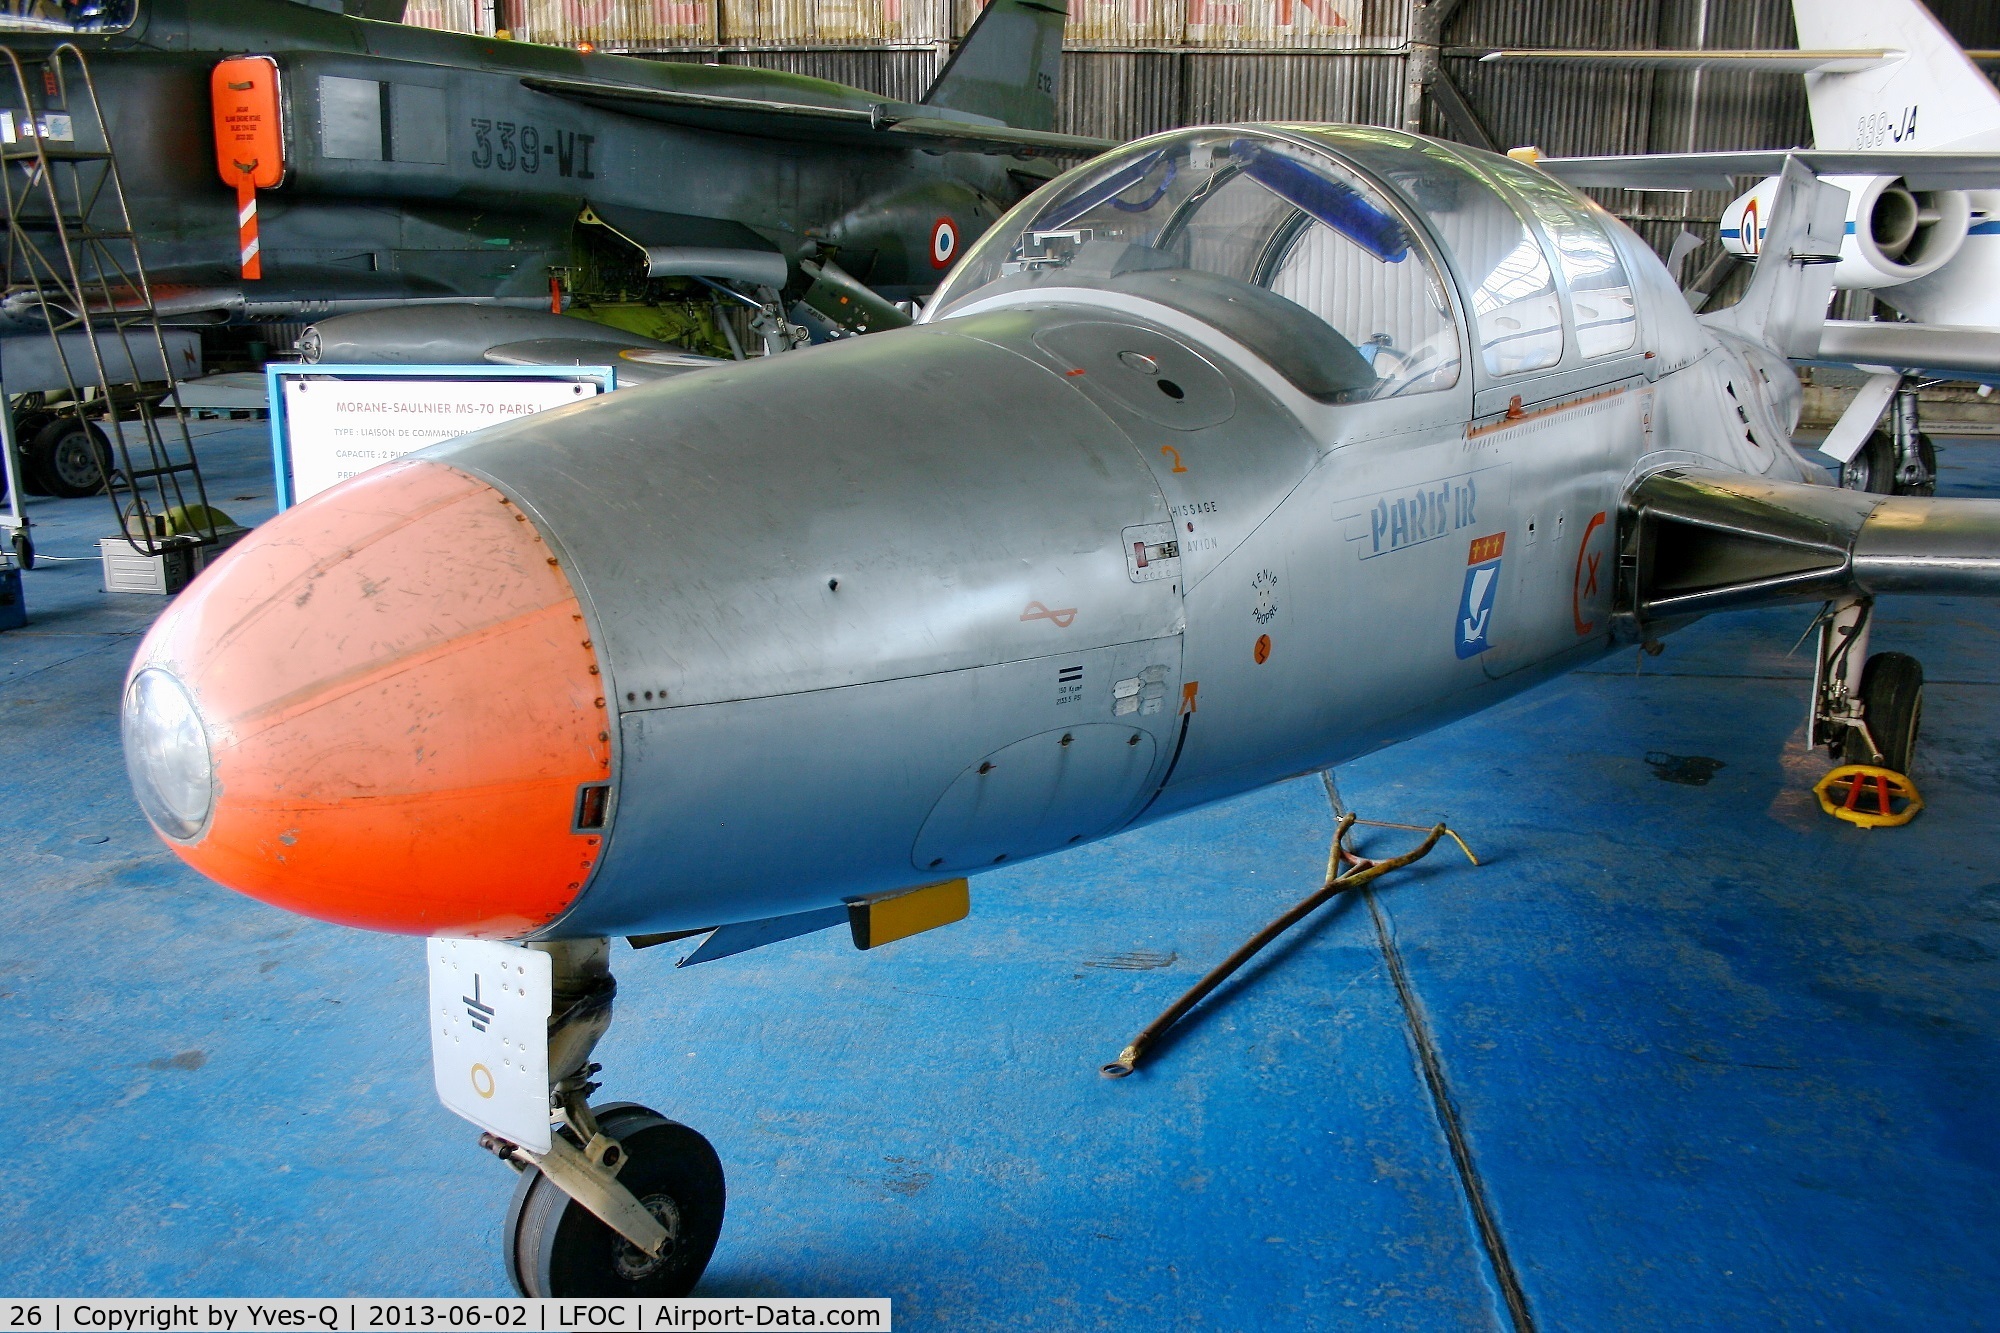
x=1359 y=871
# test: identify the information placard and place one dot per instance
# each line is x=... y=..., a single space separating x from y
x=329 y=423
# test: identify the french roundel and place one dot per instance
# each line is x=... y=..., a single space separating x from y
x=944 y=243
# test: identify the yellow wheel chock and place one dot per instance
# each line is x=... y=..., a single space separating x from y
x=1846 y=791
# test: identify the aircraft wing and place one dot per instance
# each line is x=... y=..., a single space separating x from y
x=1763 y=62
x=1950 y=350
x=635 y=365
x=884 y=125
x=1706 y=540
x=1711 y=171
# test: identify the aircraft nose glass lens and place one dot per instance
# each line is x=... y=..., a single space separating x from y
x=167 y=755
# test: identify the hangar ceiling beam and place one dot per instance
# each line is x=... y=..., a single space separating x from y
x=1458 y=113
x=1423 y=72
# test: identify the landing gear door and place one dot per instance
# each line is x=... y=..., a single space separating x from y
x=489 y=1020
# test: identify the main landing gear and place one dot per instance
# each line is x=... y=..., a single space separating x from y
x=1866 y=709
x=625 y=1203
x=1897 y=458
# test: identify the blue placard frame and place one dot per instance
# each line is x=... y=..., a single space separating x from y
x=275 y=373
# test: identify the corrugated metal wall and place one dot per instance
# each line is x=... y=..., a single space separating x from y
x=1120 y=94
x=1137 y=66
x=652 y=25
x=1566 y=112
x=1230 y=24
x=451 y=15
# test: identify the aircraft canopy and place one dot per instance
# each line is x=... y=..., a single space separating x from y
x=1325 y=250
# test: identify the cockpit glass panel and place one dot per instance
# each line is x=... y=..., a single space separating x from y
x=1508 y=280
x=1599 y=289
x=1281 y=247
x=67 y=17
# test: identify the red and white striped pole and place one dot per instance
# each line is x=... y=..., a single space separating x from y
x=246 y=225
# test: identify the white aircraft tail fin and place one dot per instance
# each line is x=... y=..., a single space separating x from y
x=1932 y=97
x=1785 y=305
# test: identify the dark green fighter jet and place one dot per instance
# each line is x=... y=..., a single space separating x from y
x=415 y=167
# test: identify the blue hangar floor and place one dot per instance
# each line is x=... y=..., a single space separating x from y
x=1702 y=1056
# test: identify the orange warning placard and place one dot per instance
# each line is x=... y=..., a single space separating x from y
x=249 y=139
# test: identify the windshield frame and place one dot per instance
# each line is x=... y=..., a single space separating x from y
x=1467 y=163
x=1630 y=250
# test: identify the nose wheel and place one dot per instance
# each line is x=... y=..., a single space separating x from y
x=1892 y=707
x=1867 y=708
x=556 y=1247
x=614 y=1201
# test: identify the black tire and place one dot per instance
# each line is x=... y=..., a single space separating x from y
x=1871 y=465
x=555 y=1247
x=69 y=457
x=29 y=421
x=1892 y=703
x=24 y=549
x=27 y=425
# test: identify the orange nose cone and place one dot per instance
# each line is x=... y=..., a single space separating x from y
x=401 y=708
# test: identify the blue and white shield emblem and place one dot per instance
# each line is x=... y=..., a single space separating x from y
x=1474 y=623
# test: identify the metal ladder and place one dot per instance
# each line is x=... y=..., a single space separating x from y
x=73 y=267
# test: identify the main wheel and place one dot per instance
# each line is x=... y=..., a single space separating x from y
x=70 y=457
x=1892 y=703
x=28 y=423
x=1874 y=467
x=554 y=1246
x=29 y=418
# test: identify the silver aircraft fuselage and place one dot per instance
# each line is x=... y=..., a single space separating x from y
x=1101 y=540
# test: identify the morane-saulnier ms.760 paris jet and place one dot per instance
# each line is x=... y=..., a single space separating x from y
x=1229 y=456
x=393 y=166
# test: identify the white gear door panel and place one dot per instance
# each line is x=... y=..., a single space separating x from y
x=489 y=1012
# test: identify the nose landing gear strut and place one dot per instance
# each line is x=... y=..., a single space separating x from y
x=626 y=1203
x=1866 y=709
